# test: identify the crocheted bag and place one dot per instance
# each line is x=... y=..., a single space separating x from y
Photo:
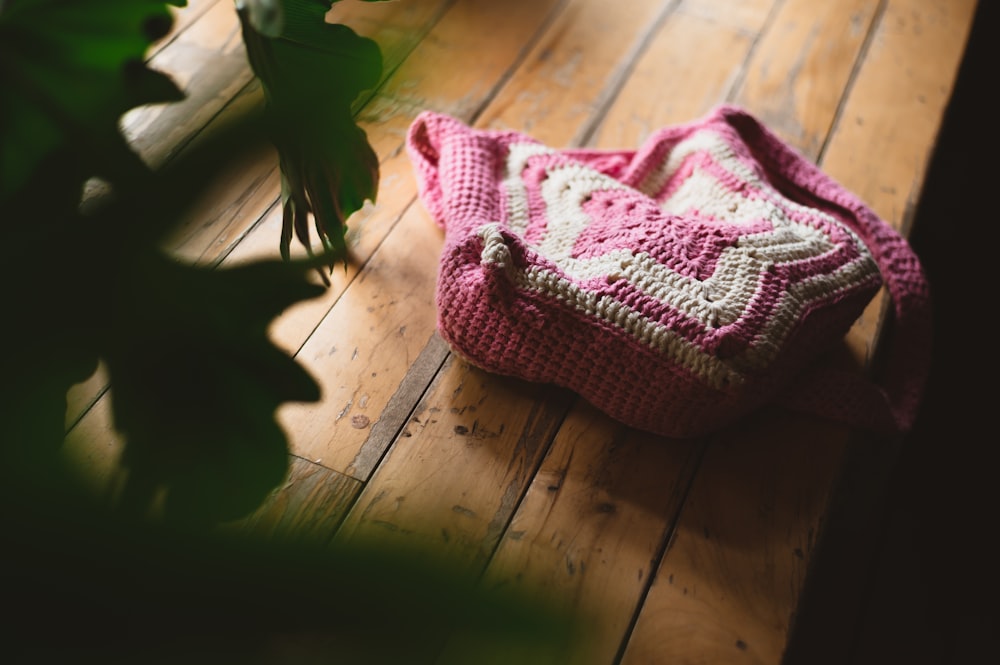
x=677 y=287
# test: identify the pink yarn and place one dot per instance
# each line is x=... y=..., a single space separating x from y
x=677 y=287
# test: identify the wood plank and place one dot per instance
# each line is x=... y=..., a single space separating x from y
x=745 y=615
x=493 y=38
x=731 y=578
x=748 y=15
x=397 y=27
x=567 y=78
x=238 y=196
x=896 y=103
x=457 y=471
x=92 y=450
x=399 y=408
x=305 y=510
x=184 y=18
x=668 y=86
x=208 y=62
x=361 y=352
x=883 y=141
x=81 y=397
x=800 y=70
x=588 y=534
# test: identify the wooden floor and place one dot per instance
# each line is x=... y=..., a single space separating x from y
x=664 y=551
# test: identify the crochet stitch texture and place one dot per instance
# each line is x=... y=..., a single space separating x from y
x=677 y=287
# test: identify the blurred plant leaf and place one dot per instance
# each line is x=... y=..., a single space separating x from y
x=196 y=381
x=46 y=290
x=123 y=592
x=68 y=70
x=312 y=72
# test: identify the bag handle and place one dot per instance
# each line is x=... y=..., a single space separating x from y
x=891 y=402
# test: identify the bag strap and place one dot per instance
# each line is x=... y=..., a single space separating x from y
x=890 y=402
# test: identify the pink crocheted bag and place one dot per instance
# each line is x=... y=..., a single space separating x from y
x=677 y=287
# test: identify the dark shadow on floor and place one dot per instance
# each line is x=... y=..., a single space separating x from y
x=908 y=572
x=934 y=597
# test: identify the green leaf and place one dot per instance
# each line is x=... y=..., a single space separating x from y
x=196 y=381
x=312 y=74
x=68 y=70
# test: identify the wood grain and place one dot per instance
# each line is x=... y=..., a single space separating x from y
x=591 y=526
x=565 y=79
x=727 y=587
x=668 y=86
x=884 y=139
x=208 y=62
x=748 y=16
x=305 y=510
x=92 y=450
x=801 y=67
x=184 y=17
x=361 y=351
x=453 y=478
